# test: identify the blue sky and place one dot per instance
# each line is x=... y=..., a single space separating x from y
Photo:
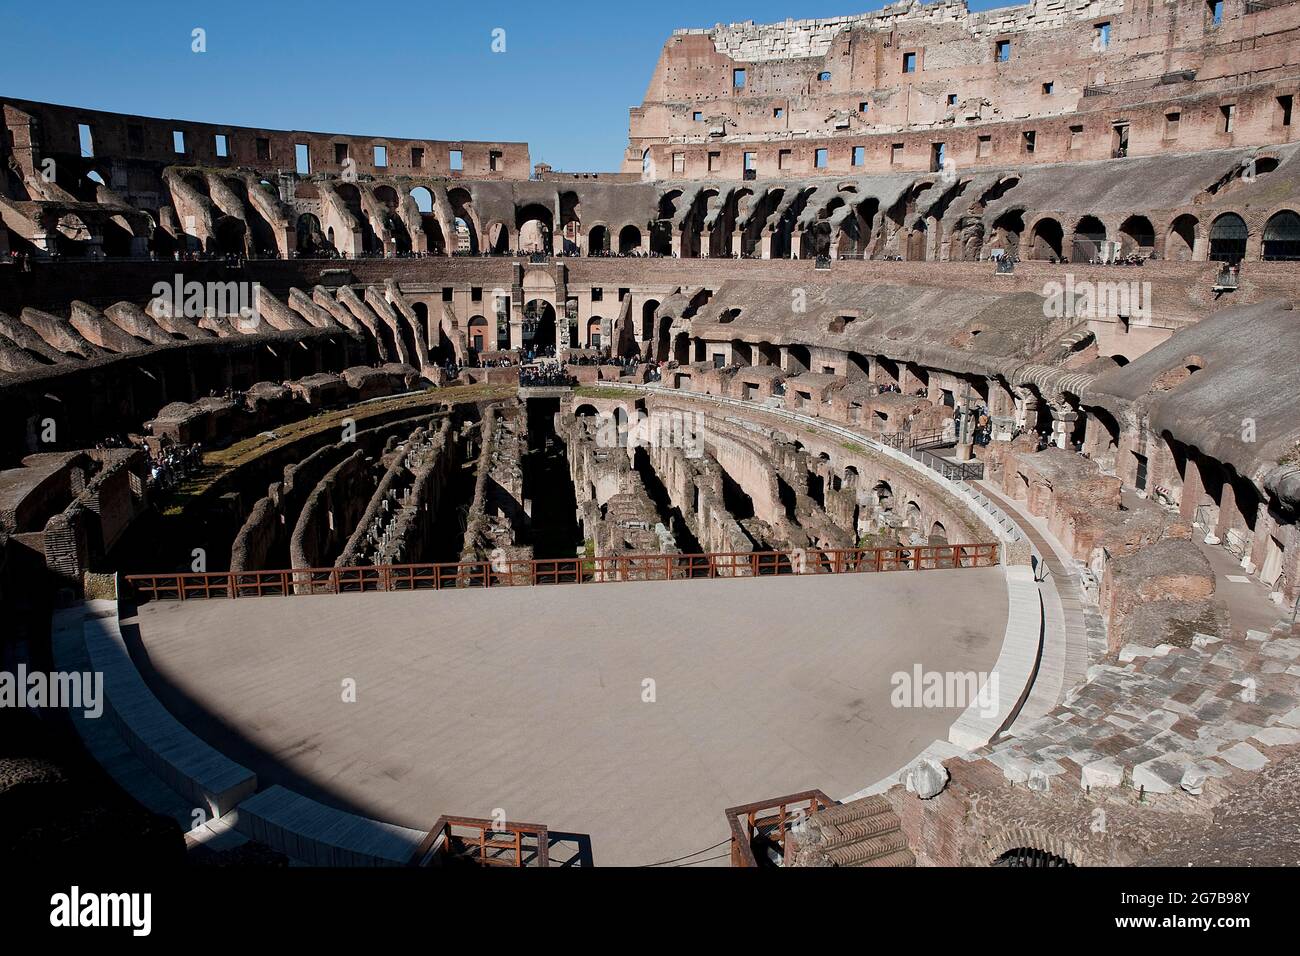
x=569 y=74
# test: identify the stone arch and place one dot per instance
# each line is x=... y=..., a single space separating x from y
x=310 y=237
x=540 y=330
x=1228 y=235
x=1282 y=236
x=230 y=236
x=350 y=196
x=1180 y=241
x=536 y=225
x=1086 y=239
x=629 y=239
x=648 y=319
x=397 y=230
x=1013 y=838
x=598 y=240
x=1047 y=240
x=1137 y=236
x=479 y=340
x=498 y=238
x=423 y=199
x=1007 y=230
x=464 y=220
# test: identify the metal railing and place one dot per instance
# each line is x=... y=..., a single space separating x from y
x=766 y=823
x=526 y=844
x=952 y=470
x=184 y=586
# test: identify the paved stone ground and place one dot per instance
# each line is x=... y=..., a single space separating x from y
x=1167 y=719
x=529 y=699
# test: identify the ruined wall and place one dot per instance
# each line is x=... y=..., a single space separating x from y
x=843 y=82
x=122 y=141
x=332 y=511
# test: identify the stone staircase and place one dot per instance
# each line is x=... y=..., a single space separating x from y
x=864 y=832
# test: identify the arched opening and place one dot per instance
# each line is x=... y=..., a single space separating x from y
x=1086 y=242
x=593 y=332
x=884 y=496
x=629 y=239
x=397 y=230
x=1007 y=229
x=1282 y=236
x=1048 y=240
x=466 y=238
x=1181 y=241
x=478 y=334
x=539 y=326
x=682 y=348
x=422 y=322
x=938 y=534
x=1137 y=236
x=1228 y=238
x=311 y=239
x=648 y=319
x=534 y=236
x=464 y=221
x=423 y=199
x=536 y=227
x=351 y=196
x=916 y=242
x=598 y=241
x=230 y=236
x=117 y=237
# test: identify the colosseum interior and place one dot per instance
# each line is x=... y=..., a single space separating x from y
x=301 y=430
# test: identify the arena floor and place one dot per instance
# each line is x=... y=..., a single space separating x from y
x=530 y=699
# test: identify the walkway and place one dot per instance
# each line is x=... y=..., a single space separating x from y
x=1074 y=632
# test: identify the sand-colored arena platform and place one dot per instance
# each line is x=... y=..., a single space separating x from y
x=531 y=699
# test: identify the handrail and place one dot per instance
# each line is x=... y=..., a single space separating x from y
x=742 y=836
x=183 y=586
x=437 y=846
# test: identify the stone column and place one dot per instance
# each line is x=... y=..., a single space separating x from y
x=1026 y=402
x=1064 y=418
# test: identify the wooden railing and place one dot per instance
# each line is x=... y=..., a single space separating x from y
x=525 y=844
x=183 y=586
x=767 y=823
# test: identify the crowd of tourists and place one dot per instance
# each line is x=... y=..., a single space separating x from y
x=546 y=374
x=170 y=464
